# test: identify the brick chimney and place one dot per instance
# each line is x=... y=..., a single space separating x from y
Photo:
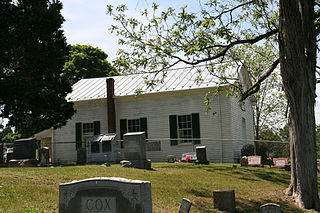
x=111 y=106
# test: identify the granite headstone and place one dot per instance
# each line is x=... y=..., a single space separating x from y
x=191 y=155
x=201 y=152
x=224 y=200
x=280 y=162
x=254 y=160
x=270 y=208
x=102 y=194
x=134 y=150
x=185 y=206
x=44 y=156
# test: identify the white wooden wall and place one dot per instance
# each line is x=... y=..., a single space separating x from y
x=225 y=114
x=64 y=137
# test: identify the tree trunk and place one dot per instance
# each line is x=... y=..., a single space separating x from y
x=297 y=44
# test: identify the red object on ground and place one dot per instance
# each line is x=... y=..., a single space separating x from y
x=187 y=158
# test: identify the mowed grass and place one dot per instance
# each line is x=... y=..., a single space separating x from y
x=37 y=189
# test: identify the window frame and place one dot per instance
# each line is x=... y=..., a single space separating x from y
x=133 y=125
x=87 y=129
x=184 y=124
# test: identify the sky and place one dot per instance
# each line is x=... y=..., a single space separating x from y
x=87 y=23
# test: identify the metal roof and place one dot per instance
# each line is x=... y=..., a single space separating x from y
x=102 y=137
x=127 y=85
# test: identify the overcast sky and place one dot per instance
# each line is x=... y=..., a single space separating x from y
x=87 y=23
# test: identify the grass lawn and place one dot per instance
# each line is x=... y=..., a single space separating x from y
x=37 y=189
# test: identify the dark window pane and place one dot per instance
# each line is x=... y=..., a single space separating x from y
x=95 y=147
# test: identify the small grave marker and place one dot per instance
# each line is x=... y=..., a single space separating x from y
x=185 y=206
x=280 y=162
x=270 y=208
x=244 y=161
x=171 y=158
x=254 y=161
x=44 y=156
x=201 y=153
x=192 y=156
x=224 y=200
x=112 y=195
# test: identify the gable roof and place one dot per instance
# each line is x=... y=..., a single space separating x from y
x=127 y=85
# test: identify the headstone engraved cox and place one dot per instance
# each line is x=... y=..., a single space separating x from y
x=111 y=195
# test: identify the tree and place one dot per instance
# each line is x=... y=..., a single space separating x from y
x=86 y=61
x=213 y=35
x=318 y=140
x=33 y=49
x=274 y=146
x=270 y=103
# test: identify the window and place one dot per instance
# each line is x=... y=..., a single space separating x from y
x=85 y=131
x=106 y=146
x=87 y=128
x=95 y=147
x=185 y=128
x=244 y=129
x=134 y=125
x=243 y=106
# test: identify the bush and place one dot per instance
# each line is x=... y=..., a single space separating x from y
x=247 y=150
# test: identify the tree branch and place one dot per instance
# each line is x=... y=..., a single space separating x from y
x=232 y=9
x=227 y=47
x=255 y=88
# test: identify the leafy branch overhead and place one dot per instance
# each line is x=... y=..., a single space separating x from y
x=165 y=39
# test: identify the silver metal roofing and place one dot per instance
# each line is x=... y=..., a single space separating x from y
x=102 y=137
x=127 y=85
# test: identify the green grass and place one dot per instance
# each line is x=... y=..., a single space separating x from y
x=37 y=189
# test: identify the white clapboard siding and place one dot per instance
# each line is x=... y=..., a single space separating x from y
x=213 y=148
x=238 y=115
x=64 y=137
x=215 y=125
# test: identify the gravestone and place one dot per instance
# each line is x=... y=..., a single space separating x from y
x=192 y=156
x=25 y=148
x=201 y=152
x=81 y=156
x=254 y=161
x=224 y=200
x=244 y=161
x=134 y=150
x=280 y=162
x=102 y=194
x=171 y=159
x=270 y=208
x=185 y=206
x=44 y=156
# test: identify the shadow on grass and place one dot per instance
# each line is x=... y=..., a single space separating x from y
x=200 y=192
x=246 y=173
x=245 y=205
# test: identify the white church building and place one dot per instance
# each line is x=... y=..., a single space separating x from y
x=172 y=114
